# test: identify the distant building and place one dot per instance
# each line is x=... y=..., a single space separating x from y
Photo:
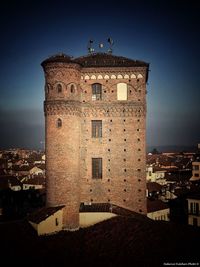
x=154 y=189
x=193 y=209
x=36 y=171
x=47 y=220
x=156 y=174
x=8 y=181
x=95 y=117
x=35 y=182
x=195 y=171
x=157 y=210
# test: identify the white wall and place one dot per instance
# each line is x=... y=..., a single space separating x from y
x=121 y=91
x=159 y=215
x=190 y=220
x=90 y=218
x=49 y=226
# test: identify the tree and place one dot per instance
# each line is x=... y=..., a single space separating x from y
x=154 y=151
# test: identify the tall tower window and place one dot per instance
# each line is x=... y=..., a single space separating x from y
x=97 y=129
x=121 y=91
x=96 y=91
x=59 y=88
x=96 y=168
x=59 y=123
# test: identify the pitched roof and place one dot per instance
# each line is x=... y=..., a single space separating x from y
x=155 y=205
x=5 y=180
x=22 y=168
x=153 y=186
x=158 y=169
x=108 y=60
x=96 y=60
x=43 y=213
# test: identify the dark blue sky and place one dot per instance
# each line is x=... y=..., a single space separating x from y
x=164 y=33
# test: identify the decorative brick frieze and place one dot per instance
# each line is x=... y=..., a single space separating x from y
x=76 y=108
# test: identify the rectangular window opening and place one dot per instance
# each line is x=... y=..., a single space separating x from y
x=96 y=91
x=96 y=168
x=96 y=129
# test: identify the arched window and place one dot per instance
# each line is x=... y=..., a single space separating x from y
x=96 y=91
x=59 y=88
x=59 y=123
x=47 y=87
x=72 y=88
x=121 y=91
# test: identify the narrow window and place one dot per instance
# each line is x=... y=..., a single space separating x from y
x=96 y=91
x=195 y=167
x=121 y=91
x=59 y=88
x=56 y=221
x=59 y=123
x=96 y=168
x=96 y=129
x=191 y=208
x=72 y=88
x=197 y=208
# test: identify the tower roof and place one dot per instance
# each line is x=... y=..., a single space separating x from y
x=108 y=60
x=97 y=60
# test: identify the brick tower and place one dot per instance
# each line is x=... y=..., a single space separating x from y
x=95 y=123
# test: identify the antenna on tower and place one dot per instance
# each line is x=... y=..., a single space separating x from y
x=89 y=47
x=111 y=42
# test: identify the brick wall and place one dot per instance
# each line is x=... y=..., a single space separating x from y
x=62 y=145
x=70 y=149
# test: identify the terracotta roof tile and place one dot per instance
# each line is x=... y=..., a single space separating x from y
x=108 y=60
x=155 y=205
x=43 y=213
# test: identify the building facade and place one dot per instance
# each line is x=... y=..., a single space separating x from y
x=195 y=170
x=95 y=123
x=193 y=210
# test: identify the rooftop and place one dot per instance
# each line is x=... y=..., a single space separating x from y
x=43 y=213
x=155 y=205
x=153 y=186
x=96 y=60
x=108 y=60
x=121 y=241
